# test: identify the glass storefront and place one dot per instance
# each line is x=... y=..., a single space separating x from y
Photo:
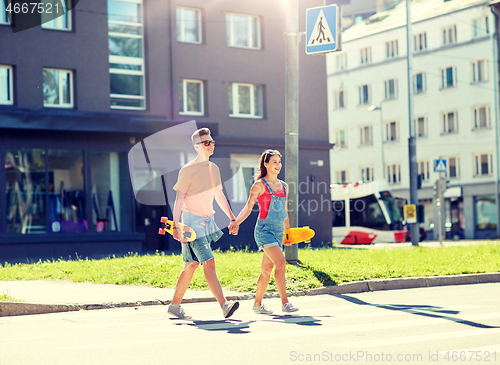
x=46 y=192
x=486 y=212
x=25 y=191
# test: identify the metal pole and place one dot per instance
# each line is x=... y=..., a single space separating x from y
x=382 y=141
x=292 y=120
x=412 y=142
x=494 y=38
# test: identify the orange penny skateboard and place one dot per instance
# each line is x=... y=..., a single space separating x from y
x=188 y=234
x=296 y=235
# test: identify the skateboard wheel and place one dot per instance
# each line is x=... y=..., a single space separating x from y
x=161 y=231
x=164 y=219
x=183 y=240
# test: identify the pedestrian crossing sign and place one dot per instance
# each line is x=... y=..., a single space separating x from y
x=440 y=165
x=323 y=31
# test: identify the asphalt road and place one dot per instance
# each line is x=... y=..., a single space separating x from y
x=437 y=325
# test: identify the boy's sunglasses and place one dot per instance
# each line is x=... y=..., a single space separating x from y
x=207 y=143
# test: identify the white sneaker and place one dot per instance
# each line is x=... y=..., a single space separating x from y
x=288 y=308
x=229 y=307
x=262 y=309
x=177 y=311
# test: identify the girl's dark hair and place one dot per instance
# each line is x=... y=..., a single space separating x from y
x=265 y=157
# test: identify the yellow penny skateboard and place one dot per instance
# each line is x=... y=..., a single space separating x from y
x=188 y=234
x=296 y=235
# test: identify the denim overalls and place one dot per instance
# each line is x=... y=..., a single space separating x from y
x=269 y=232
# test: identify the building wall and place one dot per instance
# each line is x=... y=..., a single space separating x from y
x=462 y=98
x=91 y=125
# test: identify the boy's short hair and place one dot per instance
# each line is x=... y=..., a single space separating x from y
x=196 y=137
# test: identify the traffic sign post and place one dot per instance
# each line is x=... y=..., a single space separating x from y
x=323 y=29
x=410 y=213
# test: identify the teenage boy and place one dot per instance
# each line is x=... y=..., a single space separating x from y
x=199 y=183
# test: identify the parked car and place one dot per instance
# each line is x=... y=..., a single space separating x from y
x=423 y=233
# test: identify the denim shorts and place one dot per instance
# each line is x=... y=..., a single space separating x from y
x=200 y=250
x=268 y=235
x=197 y=251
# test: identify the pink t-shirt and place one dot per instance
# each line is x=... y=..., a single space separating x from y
x=194 y=180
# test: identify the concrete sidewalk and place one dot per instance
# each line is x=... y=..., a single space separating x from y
x=40 y=296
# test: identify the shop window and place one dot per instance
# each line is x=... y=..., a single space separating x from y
x=108 y=196
x=486 y=212
x=66 y=205
x=244 y=168
x=25 y=191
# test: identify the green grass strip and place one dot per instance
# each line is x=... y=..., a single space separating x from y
x=239 y=269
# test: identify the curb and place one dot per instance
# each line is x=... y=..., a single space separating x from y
x=8 y=309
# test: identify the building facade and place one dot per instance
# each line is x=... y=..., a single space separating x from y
x=79 y=91
x=454 y=83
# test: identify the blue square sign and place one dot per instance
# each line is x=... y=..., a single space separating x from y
x=323 y=29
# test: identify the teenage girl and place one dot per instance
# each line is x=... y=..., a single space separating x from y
x=271 y=194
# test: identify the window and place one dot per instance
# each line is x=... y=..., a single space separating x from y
x=243 y=31
x=421 y=125
x=25 y=191
x=188 y=25
x=391 y=89
x=45 y=186
x=391 y=131
x=341 y=176
x=394 y=173
x=341 y=61
x=191 y=99
x=450 y=34
x=450 y=122
x=4 y=15
x=453 y=167
x=126 y=55
x=364 y=94
x=365 y=135
x=486 y=212
x=56 y=14
x=482 y=117
x=245 y=100
x=341 y=138
x=57 y=88
x=420 y=42
x=6 y=85
x=448 y=77
x=420 y=83
x=339 y=97
x=483 y=165
x=481 y=27
x=391 y=49
x=110 y=211
x=423 y=169
x=244 y=168
x=366 y=55
x=479 y=71
x=367 y=173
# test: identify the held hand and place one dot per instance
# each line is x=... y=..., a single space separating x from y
x=233 y=228
x=176 y=232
